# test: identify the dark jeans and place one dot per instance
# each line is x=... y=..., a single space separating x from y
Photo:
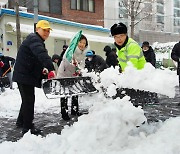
x=74 y=105
x=26 y=113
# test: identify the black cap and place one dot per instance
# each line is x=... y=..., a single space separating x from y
x=145 y=44
x=119 y=28
x=55 y=56
x=107 y=48
x=65 y=46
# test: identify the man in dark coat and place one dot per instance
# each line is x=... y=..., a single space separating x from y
x=175 y=55
x=6 y=69
x=111 y=57
x=149 y=53
x=94 y=62
x=31 y=63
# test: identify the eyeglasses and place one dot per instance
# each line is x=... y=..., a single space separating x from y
x=46 y=30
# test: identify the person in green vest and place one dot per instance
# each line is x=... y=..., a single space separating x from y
x=127 y=49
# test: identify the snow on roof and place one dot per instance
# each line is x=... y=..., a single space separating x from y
x=61 y=33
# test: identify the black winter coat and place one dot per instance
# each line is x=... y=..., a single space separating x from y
x=111 y=59
x=8 y=62
x=98 y=64
x=175 y=55
x=150 y=56
x=31 y=58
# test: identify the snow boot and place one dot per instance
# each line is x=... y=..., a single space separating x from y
x=19 y=124
x=33 y=130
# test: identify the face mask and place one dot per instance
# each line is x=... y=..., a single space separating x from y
x=89 y=58
x=145 y=50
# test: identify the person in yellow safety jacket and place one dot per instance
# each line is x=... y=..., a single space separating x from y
x=127 y=49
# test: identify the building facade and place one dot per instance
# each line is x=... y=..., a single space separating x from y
x=66 y=17
x=158 y=20
x=62 y=33
x=82 y=11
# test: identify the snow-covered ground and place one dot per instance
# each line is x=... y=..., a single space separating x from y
x=110 y=126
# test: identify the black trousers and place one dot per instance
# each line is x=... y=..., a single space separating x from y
x=74 y=105
x=26 y=113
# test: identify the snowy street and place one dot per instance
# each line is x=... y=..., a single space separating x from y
x=50 y=123
x=53 y=123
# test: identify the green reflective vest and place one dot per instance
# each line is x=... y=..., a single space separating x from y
x=131 y=52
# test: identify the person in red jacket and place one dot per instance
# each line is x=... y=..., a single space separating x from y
x=6 y=63
x=32 y=63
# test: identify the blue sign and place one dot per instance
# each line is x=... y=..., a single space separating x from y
x=9 y=42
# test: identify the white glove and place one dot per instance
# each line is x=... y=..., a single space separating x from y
x=45 y=71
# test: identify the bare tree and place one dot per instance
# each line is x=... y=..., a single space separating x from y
x=18 y=31
x=136 y=10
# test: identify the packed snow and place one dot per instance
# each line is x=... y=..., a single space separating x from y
x=111 y=126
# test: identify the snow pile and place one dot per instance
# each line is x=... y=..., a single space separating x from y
x=148 y=79
x=107 y=125
x=109 y=129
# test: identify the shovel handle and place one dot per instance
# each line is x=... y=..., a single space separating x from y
x=6 y=71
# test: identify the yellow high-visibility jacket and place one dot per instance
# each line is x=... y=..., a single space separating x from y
x=131 y=52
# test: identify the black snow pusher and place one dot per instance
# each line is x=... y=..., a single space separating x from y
x=138 y=97
x=67 y=87
x=73 y=86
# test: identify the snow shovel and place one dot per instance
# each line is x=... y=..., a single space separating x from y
x=67 y=87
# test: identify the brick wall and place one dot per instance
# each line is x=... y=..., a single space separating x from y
x=96 y=18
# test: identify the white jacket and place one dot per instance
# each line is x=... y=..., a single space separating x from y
x=67 y=69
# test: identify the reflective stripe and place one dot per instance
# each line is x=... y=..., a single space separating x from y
x=132 y=56
x=141 y=54
x=123 y=60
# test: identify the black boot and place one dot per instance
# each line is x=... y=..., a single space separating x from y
x=19 y=124
x=33 y=130
x=64 y=109
x=36 y=131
